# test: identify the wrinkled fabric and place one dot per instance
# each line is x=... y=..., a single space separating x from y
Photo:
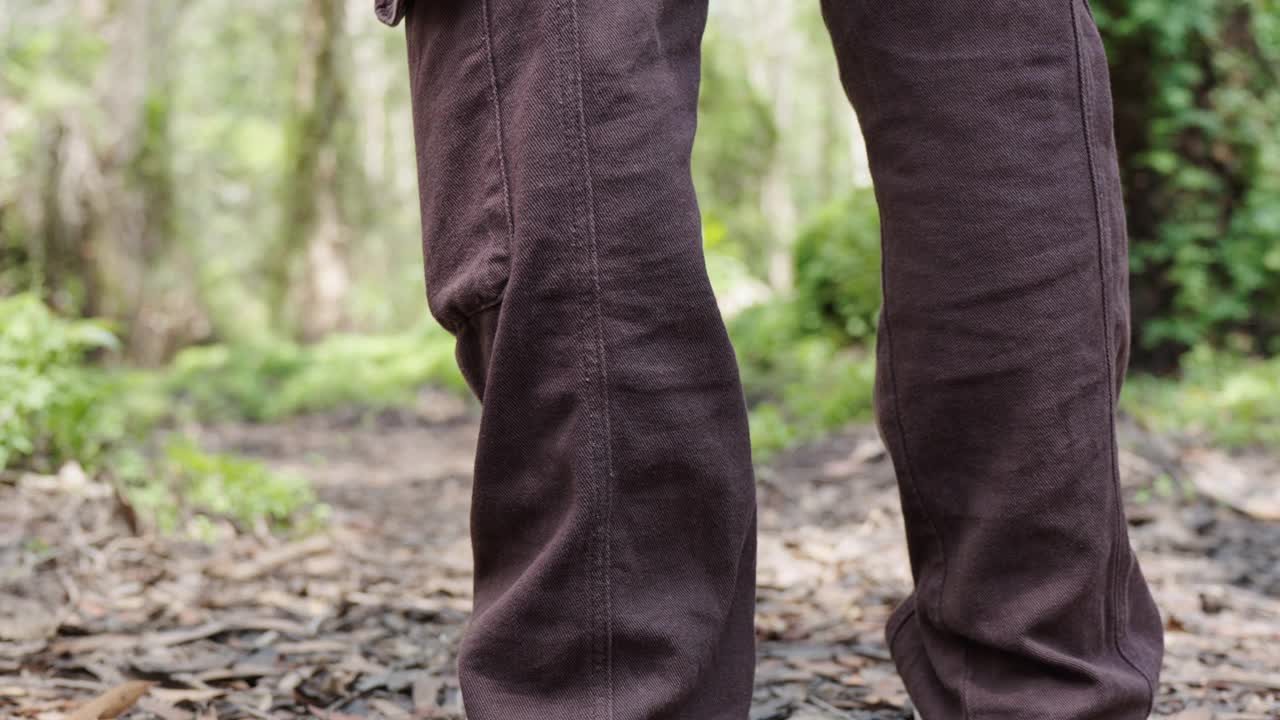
x=390 y=12
x=613 y=516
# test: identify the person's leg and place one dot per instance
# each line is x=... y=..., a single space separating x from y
x=1003 y=341
x=613 y=518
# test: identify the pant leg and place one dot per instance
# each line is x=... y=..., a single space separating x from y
x=613 y=518
x=1003 y=341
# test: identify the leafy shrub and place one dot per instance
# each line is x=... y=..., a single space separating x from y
x=52 y=409
x=199 y=488
x=268 y=381
x=1232 y=400
x=807 y=361
x=733 y=151
x=55 y=408
x=799 y=385
x=837 y=269
x=1198 y=128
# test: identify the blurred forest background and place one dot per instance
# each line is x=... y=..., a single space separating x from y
x=208 y=211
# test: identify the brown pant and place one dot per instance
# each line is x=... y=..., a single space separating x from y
x=614 y=509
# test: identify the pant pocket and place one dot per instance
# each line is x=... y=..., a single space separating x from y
x=467 y=225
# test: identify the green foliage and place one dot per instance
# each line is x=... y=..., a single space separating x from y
x=799 y=385
x=837 y=268
x=52 y=409
x=807 y=359
x=268 y=381
x=1197 y=93
x=1233 y=400
x=56 y=408
x=46 y=71
x=197 y=487
x=733 y=151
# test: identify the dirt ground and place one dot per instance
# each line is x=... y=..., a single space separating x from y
x=363 y=618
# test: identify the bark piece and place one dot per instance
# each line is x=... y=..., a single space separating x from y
x=113 y=702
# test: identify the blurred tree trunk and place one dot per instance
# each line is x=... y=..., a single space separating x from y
x=166 y=312
x=102 y=240
x=774 y=72
x=59 y=252
x=307 y=268
x=56 y=209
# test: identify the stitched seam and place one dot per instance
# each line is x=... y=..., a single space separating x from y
x=568 y=59
x=459 y=319
x=487 y=32
x=910 y=474
x=1095 y=186
x=605 y=499
x=580 y=329
x=915 y=492
x=893 y=389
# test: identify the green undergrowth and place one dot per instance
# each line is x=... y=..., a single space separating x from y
x=799 y=386
x=51 y=407
x=807 y=356
x=802 y=385
x=187 y=489
x=1228 y=399
x=277 y=380
x=65 y=401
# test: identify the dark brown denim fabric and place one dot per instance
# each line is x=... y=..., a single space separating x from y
x=613 y=520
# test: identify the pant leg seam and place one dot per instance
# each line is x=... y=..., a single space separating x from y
x=590 y=333
x=1118 y=627
x=906 y=456
x=909 y=475
x=593 y=574
x=897 y=414
x=487 y=32
x=606 y=489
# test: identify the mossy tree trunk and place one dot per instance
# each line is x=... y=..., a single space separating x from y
x=308 y=276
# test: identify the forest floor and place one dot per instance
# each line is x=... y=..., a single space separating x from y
x=362 y=618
